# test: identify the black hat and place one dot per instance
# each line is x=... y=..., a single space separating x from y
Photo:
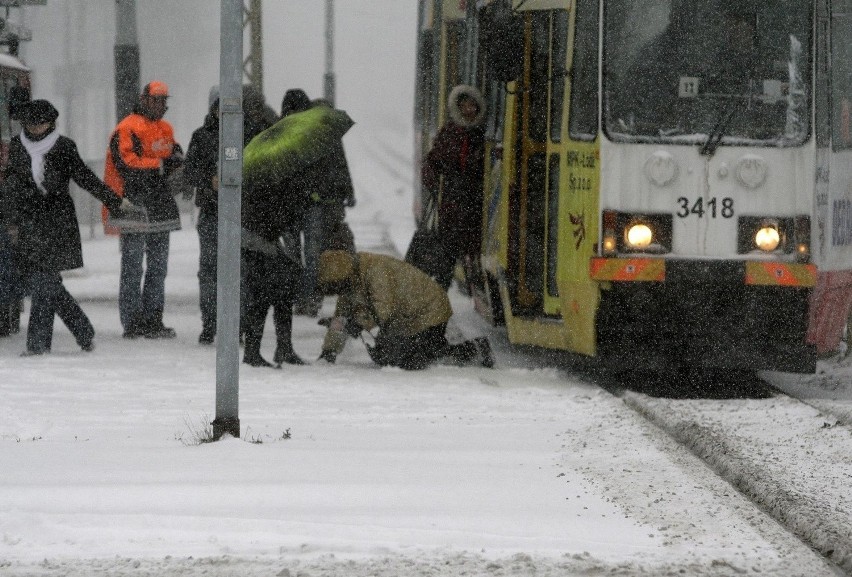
x=295 y=100
x=39 y=112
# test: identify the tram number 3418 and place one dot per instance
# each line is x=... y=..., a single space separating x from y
x=710 y=208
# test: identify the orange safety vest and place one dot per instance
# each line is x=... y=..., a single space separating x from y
x=142 y=144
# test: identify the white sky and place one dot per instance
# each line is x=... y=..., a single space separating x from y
x=72 y=47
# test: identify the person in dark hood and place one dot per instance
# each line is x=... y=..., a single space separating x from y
x=201 y=171
x=142 y=154
x=271 y=264
x=43 y=222
x=458 y=155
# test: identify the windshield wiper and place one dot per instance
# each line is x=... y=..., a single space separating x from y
x=712 y=143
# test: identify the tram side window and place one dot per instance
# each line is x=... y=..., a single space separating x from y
x=583 y=116
x=559 y=51
x=553 y=225
x=424 y=79
x=496 y=102
x=539 y=76
x=822 y=97
x=5 y=121
x=455 y=55
x=841 y=77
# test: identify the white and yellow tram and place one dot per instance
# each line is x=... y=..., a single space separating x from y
x=667 y=181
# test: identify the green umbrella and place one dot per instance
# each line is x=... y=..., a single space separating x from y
x=293 y=143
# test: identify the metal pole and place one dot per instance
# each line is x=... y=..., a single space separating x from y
x=126 y=54
x=230 y=188
x=329 y=80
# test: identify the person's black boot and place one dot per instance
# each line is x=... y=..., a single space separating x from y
x=286 y=355
x=135 y=328
x=207 y=336
x=155 y=329
x=282 y=315
x=484 y=348
x=255 y=360
x=251 y=352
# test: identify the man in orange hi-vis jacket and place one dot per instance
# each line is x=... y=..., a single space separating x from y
x=142 y=153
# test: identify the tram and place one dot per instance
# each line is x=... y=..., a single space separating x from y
x=668 y=182
x=14 y=86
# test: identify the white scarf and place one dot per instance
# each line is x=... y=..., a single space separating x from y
x=37 y=150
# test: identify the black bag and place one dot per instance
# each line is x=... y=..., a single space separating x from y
x=426 y=250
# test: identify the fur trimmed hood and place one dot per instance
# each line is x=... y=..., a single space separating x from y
x=453 y=105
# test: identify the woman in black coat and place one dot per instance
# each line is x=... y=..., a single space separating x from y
x=457 y=156
x=43 y=222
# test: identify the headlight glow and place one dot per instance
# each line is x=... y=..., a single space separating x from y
x=767 y=238
x=639 y=235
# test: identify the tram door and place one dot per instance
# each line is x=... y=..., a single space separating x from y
x=534 y=155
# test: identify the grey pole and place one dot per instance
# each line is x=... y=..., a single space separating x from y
x=230 y=188
x=329 y=80
x=126 y=54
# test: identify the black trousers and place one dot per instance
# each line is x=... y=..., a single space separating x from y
x=50 y=298
x=270 y=281
x=419 y=350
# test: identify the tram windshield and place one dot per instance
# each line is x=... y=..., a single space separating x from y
x=695 y=71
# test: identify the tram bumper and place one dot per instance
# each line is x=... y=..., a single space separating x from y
x=709 y=315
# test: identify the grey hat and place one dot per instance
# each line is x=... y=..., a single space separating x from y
x=213 y=96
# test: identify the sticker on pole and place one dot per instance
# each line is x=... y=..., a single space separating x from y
x=232 y=153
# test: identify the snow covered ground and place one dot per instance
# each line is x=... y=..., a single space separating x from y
x=346 y=469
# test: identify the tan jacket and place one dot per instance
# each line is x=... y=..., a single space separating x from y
x=385 y=292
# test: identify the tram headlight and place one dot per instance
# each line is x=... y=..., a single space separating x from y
x=626 y=232
x=638 y=235
x=768 y=237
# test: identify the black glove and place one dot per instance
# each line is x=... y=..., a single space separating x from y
x=328 y=356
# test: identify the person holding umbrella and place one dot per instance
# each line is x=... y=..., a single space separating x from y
x=328 y=186
x=273 y=208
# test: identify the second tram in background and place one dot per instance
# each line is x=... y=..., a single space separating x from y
x=668 y=182
x=14 y=87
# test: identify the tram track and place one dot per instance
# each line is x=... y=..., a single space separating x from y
x=750 y=460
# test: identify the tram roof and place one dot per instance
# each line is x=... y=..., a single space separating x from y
x=9 y=61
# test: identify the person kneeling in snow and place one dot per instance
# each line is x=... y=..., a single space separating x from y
x=410 y=309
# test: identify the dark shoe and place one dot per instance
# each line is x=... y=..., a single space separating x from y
x=133 y=331
x=88 y=347
x=33 y=353
x=159 y=331
x=484 y=348
x=207 y=336
x=288 y=357
x=257 y=361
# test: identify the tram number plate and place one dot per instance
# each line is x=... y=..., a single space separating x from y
x=710 y=208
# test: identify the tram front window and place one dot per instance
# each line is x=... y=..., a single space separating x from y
x=687 y=70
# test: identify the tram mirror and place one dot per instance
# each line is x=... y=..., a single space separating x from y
x=502 y=38
x=18 y=97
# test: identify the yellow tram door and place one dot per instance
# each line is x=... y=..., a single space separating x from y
x=527 y=227
x=553 y=182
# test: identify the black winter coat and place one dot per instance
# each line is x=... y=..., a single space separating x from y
x=48 y=231
x=202 y=159
x=328 y=180
x=202 y=164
